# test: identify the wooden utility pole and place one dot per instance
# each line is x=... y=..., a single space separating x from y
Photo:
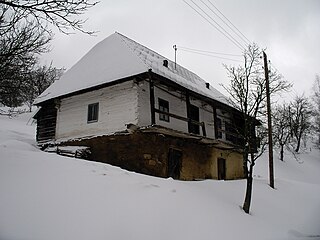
x=266 y=73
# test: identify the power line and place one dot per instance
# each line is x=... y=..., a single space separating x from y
x=221 y=28
x=204 y=51
x=248 y=41
x=239 y=46
x=209 y=55
x=240 y=37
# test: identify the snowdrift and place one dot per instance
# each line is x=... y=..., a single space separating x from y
x=46 y=196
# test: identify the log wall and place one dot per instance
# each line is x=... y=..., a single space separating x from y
x=46 y=123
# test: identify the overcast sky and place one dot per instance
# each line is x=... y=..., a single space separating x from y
x=288 y=29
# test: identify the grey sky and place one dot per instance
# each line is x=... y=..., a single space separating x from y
x=289 y=29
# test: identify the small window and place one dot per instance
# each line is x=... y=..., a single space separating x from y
x=164 y=107
x=229 y=131
x=219 y=126
x=93 y=112
x=194 y=116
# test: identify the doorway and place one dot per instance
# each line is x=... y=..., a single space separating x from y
x=174 y=163
x=221 y=169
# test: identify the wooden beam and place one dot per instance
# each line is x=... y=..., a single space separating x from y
x=152 y=101
x=172 y=115
x=203 y=127
x=188 y=110
x=215 y=120
x=179 y=117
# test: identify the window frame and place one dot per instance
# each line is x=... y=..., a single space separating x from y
x=93 y=112
x=164 y=107
x=219 y=128
x=194 y=114
x=229 y=131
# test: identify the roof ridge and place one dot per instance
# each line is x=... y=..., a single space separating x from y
x=132 y=50
x=149 y=49
x=155 y=53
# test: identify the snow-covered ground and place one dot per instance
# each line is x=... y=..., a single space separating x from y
x=45 y=196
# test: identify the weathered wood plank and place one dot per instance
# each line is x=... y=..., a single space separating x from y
x=46 y=122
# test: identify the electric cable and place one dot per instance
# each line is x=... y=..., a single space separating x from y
x=239 y=46
x=221 y=28
x=210 y=55
x=204 y=51
x=248 y=41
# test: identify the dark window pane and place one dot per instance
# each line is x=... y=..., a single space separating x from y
x=194 y=115
x=219 y=126
x=163 y=106
x=229 y=132
x=93 y=112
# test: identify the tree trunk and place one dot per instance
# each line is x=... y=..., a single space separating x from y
x=30 y=107
x=247 y=200
x=245 y=163
x=298 y=145
x=299 y=141
x=281 y=152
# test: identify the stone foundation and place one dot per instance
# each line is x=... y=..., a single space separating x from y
x=161 y=155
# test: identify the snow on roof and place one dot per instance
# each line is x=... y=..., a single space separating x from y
x=118 y=57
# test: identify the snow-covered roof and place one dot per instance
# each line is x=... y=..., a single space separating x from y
x=118 y=57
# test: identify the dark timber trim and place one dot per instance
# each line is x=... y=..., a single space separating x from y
x=152 y=101
x=215 y=120
x=189 y=120
x=203 y=127
x=188 y=110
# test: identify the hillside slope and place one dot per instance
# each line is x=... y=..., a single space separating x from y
x=45 y=196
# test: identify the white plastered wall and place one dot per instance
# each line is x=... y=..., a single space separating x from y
x=117 y=107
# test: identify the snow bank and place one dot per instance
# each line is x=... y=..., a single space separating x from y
x=46 y=196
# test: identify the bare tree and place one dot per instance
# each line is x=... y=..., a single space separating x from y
x=281 y=127
x=62 y=14
x=25 y=35
x=24 y=24
x=38 y=80
x=247 y=90
x=20 y=44
x=300 y=120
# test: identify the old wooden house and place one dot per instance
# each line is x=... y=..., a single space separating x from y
x=138 y=110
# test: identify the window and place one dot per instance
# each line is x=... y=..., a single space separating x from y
x=229 y=132
x=194 y=116
x=164 y=107
x=93 y=112
x=219 y=128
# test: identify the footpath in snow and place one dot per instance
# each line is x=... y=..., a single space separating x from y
x=44 y=196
